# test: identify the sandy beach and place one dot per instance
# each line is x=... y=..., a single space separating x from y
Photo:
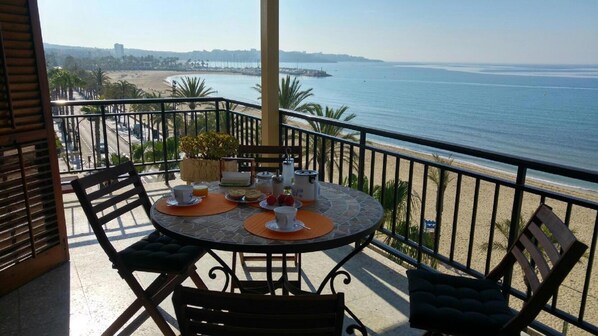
x=473 y=219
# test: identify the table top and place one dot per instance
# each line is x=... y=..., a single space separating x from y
x=355 y=215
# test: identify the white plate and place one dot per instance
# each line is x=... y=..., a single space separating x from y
x=242 y=200
x=264 y=205
x=172 y=202
x=272 y=225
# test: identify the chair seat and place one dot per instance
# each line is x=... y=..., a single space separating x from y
x=160 y=254
x=456 y=305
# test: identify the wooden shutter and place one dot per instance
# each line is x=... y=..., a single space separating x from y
x=32 y=226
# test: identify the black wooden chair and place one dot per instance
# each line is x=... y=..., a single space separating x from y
x=105 y=196
x=203 y=312
x=455 y=305
x=266 y=158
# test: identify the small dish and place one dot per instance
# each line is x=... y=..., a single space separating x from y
x=264 y=205
x=173 y=202
x=272 y=225
x=243 y=200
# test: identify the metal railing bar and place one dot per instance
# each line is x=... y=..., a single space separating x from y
x=492 y=227
x=474 y=212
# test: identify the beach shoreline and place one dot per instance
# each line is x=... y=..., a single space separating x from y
x=481 y=213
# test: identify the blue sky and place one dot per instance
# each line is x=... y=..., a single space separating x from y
x=484 y=31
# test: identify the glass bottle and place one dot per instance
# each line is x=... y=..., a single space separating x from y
x=277 y=184
x=288 y=171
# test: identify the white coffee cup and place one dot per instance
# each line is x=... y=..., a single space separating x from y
x=183 y=193
x=285 y=216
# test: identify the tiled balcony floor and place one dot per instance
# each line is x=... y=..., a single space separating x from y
x=85 y=295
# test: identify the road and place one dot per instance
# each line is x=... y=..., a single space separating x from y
x=117 y=136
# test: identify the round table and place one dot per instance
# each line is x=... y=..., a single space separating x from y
x=355 y=216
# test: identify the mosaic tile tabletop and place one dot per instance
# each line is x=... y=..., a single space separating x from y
x=354 y=213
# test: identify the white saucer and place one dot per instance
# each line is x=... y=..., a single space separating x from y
x=264 y=205
x=172 y=202
x=272 y=225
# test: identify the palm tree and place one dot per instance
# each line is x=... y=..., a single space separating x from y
x=116 y=159
x=63 y=83
x=72 y=81
x=333 y=131
x=57 y=83
x=157 y=121
x=100 y=79
x=193 y=87
x=441 y=178
x=96 y=123
x=290 y=95
x=153 y=151
x=394 y=201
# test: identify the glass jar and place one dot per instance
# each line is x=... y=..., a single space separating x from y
x=200 y=190
x=263 y=182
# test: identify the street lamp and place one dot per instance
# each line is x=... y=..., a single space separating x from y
x=173 y=93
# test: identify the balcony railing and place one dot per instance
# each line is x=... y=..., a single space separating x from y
x=442 y=214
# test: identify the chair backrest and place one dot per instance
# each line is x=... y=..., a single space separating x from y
x=108 y=194
x=268 y=158
x=218 y=313
x=545 y=247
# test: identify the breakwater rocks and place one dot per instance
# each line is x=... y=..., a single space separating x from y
x=258 y=71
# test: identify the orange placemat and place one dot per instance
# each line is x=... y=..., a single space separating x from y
x=212 y=204
x=319 y=224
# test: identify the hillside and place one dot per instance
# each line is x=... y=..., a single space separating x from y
x=215 y=55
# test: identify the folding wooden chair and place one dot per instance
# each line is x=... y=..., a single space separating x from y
x=455 y=305
x=202 y=312
x=105 y=196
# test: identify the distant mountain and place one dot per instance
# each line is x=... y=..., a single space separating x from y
x=216 y=55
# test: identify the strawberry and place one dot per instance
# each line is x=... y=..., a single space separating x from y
x=281 y=199
x=271 y=200
x=290 y=201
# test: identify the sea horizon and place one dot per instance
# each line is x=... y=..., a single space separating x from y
x=540 y=112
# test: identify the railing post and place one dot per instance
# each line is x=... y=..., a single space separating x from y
x=280 y=120
x=361 y=168
x=164 y=146
x=322 y=165
x=513 y=229
x=217 y=104
x=227 y=117
x=105 y=130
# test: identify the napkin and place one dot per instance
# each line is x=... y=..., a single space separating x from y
x=235 y=178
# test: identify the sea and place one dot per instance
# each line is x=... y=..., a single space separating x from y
x=541 y=112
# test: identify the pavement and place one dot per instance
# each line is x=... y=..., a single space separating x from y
x=85 y=295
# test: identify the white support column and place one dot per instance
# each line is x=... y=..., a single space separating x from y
x=269 y=53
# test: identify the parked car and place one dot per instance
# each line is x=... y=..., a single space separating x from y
x=75 y=162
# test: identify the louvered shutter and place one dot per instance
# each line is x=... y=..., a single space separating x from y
x=32 y=226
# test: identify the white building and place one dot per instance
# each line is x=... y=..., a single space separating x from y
x=119 y=50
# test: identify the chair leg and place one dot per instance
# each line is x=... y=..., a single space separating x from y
x=149 y=298
x=234 y=269
x=242 y=257
x=298 y=266
x=197 y=280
